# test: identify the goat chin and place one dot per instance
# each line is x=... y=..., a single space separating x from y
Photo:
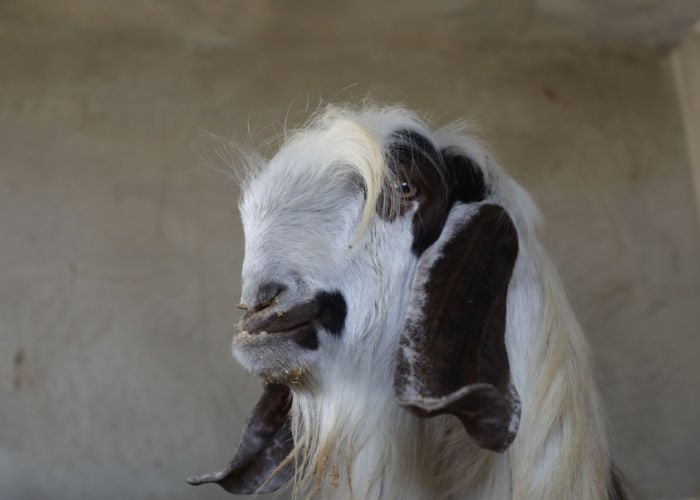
x=273 y=357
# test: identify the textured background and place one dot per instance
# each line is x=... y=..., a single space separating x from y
x=120 y=253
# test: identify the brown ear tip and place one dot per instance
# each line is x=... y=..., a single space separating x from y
x=206 y=478
x=498 y=442
x=490 y=419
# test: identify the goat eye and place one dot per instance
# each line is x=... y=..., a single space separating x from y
x=406 y=190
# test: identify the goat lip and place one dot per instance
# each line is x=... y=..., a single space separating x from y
x=281 y=321
x=286 y=331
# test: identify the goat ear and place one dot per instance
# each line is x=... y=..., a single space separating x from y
x=266 y=442
x=452 y=356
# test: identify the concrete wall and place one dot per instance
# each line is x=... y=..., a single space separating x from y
x=686 y=64
x=120 y=253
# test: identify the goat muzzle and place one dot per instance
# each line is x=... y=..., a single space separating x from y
x=280 y=321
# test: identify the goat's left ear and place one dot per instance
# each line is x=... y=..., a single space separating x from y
x=452 y=356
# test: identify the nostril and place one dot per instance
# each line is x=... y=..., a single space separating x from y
x=267 y=294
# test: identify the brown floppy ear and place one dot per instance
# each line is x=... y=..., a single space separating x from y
x=452 y=356
x=266 y=442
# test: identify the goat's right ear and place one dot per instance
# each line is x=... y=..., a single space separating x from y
x=260 y=464
x=452 y=356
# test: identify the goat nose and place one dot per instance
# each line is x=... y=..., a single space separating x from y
x=266 y=294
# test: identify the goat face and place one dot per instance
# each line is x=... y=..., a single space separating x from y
x=366 y=237
x=307 y=287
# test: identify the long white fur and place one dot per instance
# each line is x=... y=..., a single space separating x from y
x=352 y=440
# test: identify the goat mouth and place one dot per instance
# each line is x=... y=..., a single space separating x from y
x=301 y=322
x=297 y=329
x=280 y=322
x=297 y=324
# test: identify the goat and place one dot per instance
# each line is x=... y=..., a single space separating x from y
x=393 y=280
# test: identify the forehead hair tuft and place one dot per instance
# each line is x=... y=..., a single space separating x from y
x=363 y=139
x=357 y=141
x=354 y=147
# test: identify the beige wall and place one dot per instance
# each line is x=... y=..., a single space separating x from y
x=686 y=65
x=120 y=255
